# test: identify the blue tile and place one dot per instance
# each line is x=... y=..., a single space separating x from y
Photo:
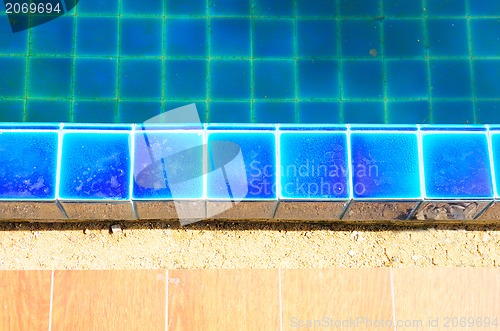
x=450 y=78
x=274 y=79
x=13 y=77
x=229 y=7
x=318 y=79
x=230 y=80
x=55 y=37
x=103 y=127
x=201 y=108
x=407 y=79
x=359 y=7
x=47 y=111
x=95 y=166
x=273 y=38
x=364 y=112
x=230 y=112
x=12 y=43
x=362 y=79
x=358 y=37
x=408 y=112
x=186 y=79
x=317 y=37
x=495 y=147
x=485 y=36
x=258 y=150
x=313 y=127
x=142 y=7
x=29 y=164
x=187 y=7
x=140 y=78
x=94 y=111
x=50 y=77
x=456 y=166
x=484 y=8
x=11 y=110
x=445 y=8
x=97 y=36
x=141 y=37
x=487 y=78
x=385 y=165
x=319 y=112
x=186 y=37
x=316 y=8
x=314 y=166
x=488 y=112
x=273 y=8
x=447 y=36
x=168 y=165
x=95 y=78
x=274 y=112
x=452 y=112
x=403 y=8
x=403 y=38
x=230 y=37
x=137 y=112
x=97 y=7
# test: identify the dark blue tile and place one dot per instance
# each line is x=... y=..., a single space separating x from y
x=450 y=78
x=362 y=79
x=98 y=7
x=456 y=166
x=30 y=126
x=242 y=127
x=403 y=38
x=359 y=7
x=274 y=79
x=488 y=112
x=29 y=165
x=230 y=79
x=274 y=112
x=358 y=37
x=273 y=38
x=168 y=165
x=109 y=128
x=487 y=78
x=317 y=37
x=385 y=165
x=229 y=7
x=13 y=76
x=12 y=43
x=141 y=37
x=447 y=36
x=230 y=112
x=142 y=7
x=318 y=79
x=364 y=112
x=258 y=150
x=454 y=127
x=94 y=111
x=186 y=79
x=230 y=37
x=97 y=36
x=452 y=112
x=314 y=165
x=273 y=8
x=50 y=77
x=484 y=8
x=186 y=37
x=137 y=112
x=403 y=8
x=95 y=166
x=47 y=111
x=201 y=108
x=407 y=79
x=386 y=127
x=446 y=8
x=95 y=78
x=485 y=37
x=316 y=7
x=319 y=112
x=11 y=110
x=188 y=7
x=313 y=127
x=55 y=37
x=408 y=112
x=140 y=79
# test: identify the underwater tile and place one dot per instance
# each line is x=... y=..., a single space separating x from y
x=186 y=79
x=230 y=112
x=128 y=111
x=273 y=8
x=12 y=110
x=49 y=77
x=463 y=112
x=94 y=111
x=230 y=79
x=486 y=78
x=13 y=72
x=97 y=7
x=141 y=36
x=408 y=112
x=406 y=79
x=403 y=8
x=186 y=37
x=318 y=79
x=488 y=112
x=446 y=37
x=316 y=8
x=274 y=112
x=201 y=108
x=230 y=37
x=484 y=8
x=359 y=37
x=97 y=36
x=450 y=210
x=495 y=149
x=140 y=78
x=12 y=43
x=316 y=37
x=229 y=7
x=272 y=38
x=485 y=36
x=59 y=111
x=53 y=38
x=142 y=7
x=318 y=112
x=379 y=210
x=404 y=38
x=362 y=79
x=95 y=78
x=187 y=7
x=274 y=79
x=446 y=8
x=358 y=8
x=450 y=78
x=364 y=112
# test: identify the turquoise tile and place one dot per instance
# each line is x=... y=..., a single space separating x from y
x=47 y=111
x=95 y=78
x=272 y=38
x=94 y=111
x=317 y=37
x=142 y=8
x=486 y=78
x=186 y=37
x=318 y=79
x=484 y=8
x=488 y=112
x=230 y=37
x=12 y=43
x=359 y=7
x=450 y=79
x=103 y=43
x=186 y=79
x=452 y=112
x=273 y=8
x=230 y=80
x=362 y=79
x=446 y=8
x=363 y=112
x=319 y=112
x=274 y=79
x=11 y=110
x=101 y=7
x=407 y=79
x=137 y=111
x=230 y=112
x=53 y=38
x=359 y=36
x=141 y=37
x=188 y=7
x=49 y=77
x=404 y=38
x=403 y=8
x=140 y=78
x=13 y=77
x=229 y=7
x=274 y=112
x=201 y=108
x=316 y=8
x=485 y=37
x=446 y=37
x=408 y=112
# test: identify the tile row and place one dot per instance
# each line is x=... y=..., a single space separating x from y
x=193 y=172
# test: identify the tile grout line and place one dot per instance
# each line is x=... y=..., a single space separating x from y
x=471 y=66
x=339 y=59
x=296 y=61
x=208 y=65
x=384 y=62
x=427 y=59
x=27 y=70
x=252 y=70
x=118 y=62
x=280 y=299
x=392 y=299
x=166 y=299
x=163 y=56
x=73 y=70
x=51 y=298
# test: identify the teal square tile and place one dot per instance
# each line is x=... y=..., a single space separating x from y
x=94 y=111
x=11 y=110
x=47 y=111
x=274 y=112
x=13 y=76
x=141 y=37
x=95 y=78
x=274 y=79
x=50 y=77
x=230 y=80
x=140 y=78
x=186 y=79
x=230 y=112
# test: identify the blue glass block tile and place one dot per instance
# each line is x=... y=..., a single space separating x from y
x=50 y=77
x=359 y=7
x=488 y=112
x=141 y=37
x=230 y=37
x=313 y=127
x=445 y=8
x=94 y=111
x=140 y=78
x=364 y=112
x=201 y=108
x=29 y=165
x=273 y=8
x=258 y=150
x=316 y=8
x=452 y=112
x=47 y=111
x=55 y=37
x=314 y=166
x=273 y=38
x=95 y=78
x=359 y=37
x=186 y=37
x=97 y=36
x=168 y=165
x=188 y=7
x=317 y=37
x=403 y=8
x=385 y=165
x=186 y=79
x=319 y=112
x=407 y=79
x=97 y=7
x=377 y=127
x=137 y=112
x=450 y=78
x=485 y=36
x=95 y=166
x=229 y=7
x=447 y=36
x=274 y=112
x=456 y=166
x=408 y=112
x=484 y=8
x=115 y=128
x=11 y=110
x=318 y=79
x=30 y=126
x=274 y=79
x=12 y=43
x=142 y=7
x=487 y=78
x=495 y=147
x=230 y=79
x=230 y=112
x=13 y=77
x=362 y=79
x=403 y=38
